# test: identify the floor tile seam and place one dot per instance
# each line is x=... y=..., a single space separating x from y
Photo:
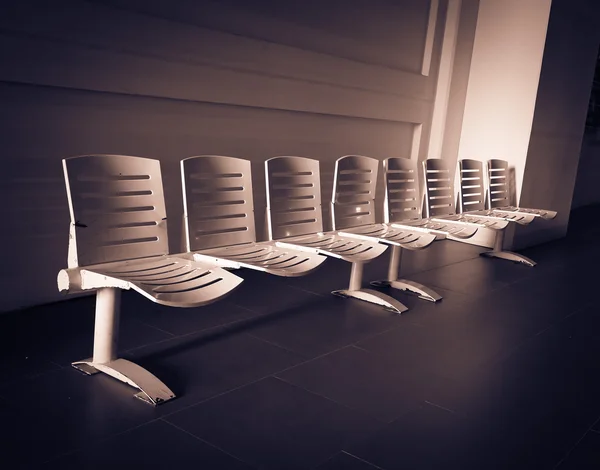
x=101 y=440
x=256 y=312
x=308 y=361
x=342 y=451
x=215 y=328
x=363 y=460
x=154 y=327
x=331 y=400
x=570 y=451
x=204 y=441
x=437 y=267
x=319 y=356
x=278 y=346
x=252 y=382
x=10 y=383
x=435 y=405
x=306 y=291
x=373 y=335
x=395 y=418
x=500 y=358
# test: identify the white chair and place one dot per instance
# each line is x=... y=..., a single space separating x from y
x=295 y=219
x=439 y=190
x=472 y=195
x=402 y=203
x=219 y=220
x=472 y=201
x=439 y=197
x=499 y=195
x=353 y=214
x=118 y=240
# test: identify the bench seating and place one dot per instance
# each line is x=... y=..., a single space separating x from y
x=118 y=240
x=219 y=220
x=295 y=220
x=353 y=214
x=499 y=195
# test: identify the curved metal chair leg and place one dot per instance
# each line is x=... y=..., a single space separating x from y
x=498 y=252
x=374 y=297
x=152 y=390
x=510 y=256
x=405 y=285
x=106 y=331
x=368 y=295
x=410 y=287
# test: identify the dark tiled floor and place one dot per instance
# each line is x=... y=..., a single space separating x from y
x=502 y=373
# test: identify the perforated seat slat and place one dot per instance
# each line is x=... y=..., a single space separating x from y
x=399 y=236
x=456 y=230
x=268 y=257
x=332 y=244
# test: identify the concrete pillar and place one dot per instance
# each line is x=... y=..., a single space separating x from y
x=525 y=89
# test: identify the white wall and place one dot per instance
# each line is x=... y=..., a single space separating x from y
x=503 y=80
x=172 y=79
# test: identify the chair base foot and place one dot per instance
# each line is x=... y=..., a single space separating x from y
x=374 y=297
x=152 y=390
x=410 y=287
x=510 y=256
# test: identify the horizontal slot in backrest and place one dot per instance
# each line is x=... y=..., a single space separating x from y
x=218 y=201
x=117 y=208
x=401 y=190
x=439 y=188
x=293 y=196
x=498 y=189
x=354 y=186
x=472 y=190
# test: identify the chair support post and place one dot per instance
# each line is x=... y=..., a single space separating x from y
x=394 y=266
x=499 y=253
x=356 y=275
x=355 y=291
x=106 y=335
x=499 y=240
x=106 y=329
x=410 y=287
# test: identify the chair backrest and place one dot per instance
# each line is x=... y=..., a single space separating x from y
x=217 y=202
x=117 y=209
x=439 y=188
x=401 y=190
x=498 y=188
x=354 y=186
x=472 y=185
x=293 y=197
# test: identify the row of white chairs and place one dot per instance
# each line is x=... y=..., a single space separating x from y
x=118 y=232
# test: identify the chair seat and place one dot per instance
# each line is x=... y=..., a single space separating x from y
x=264 y=256
x=168 y=280
x=390 y=234
x=520 y=218
x=543 y=213
x=457 y=230
x=353 y=250
x=494 y=224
